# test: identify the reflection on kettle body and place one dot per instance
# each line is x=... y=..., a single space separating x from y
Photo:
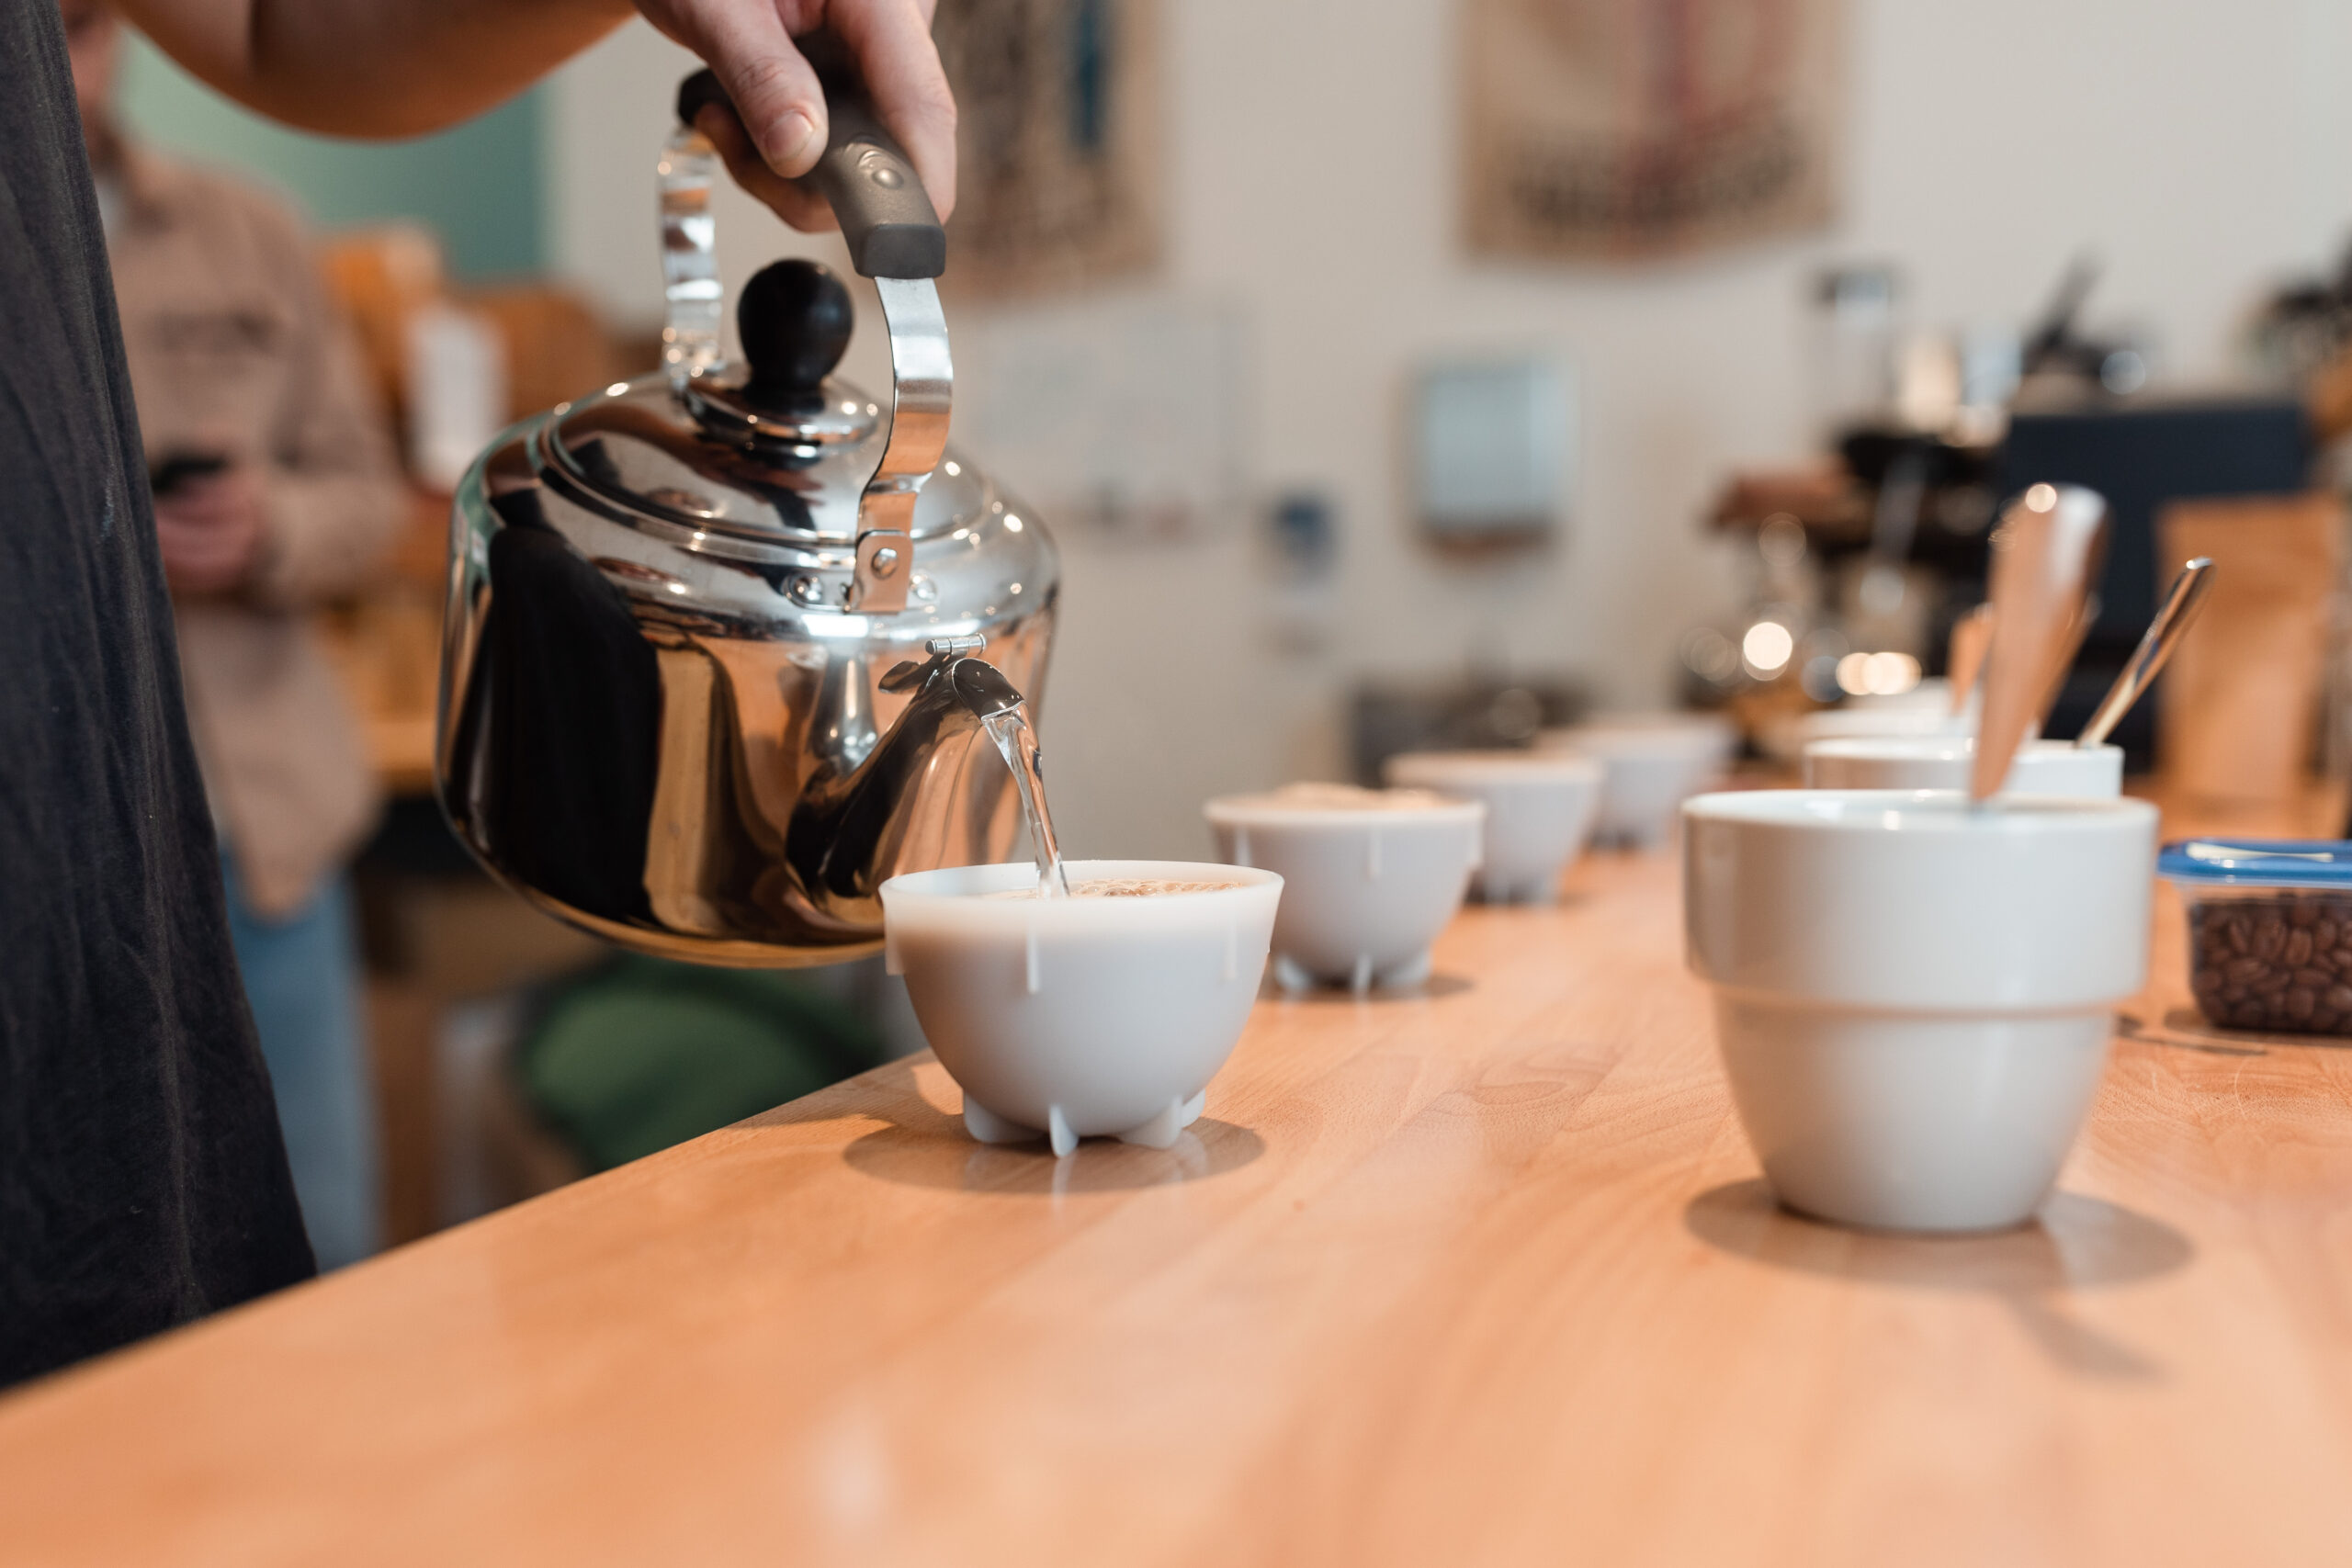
x=851 y=831
x=571 y=679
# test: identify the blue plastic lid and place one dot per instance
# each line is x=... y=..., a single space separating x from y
x=2258 y=863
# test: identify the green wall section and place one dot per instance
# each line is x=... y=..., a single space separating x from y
x=479 y=186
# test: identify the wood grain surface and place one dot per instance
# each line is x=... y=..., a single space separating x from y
x=1480 y=1274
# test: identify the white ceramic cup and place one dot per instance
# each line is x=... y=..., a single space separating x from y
x=1365 y=889
x=1912 y=995
x=1083 y=1016
x=1829 y=723
x=1539 y=809
x=1943 y=762
x=1934 y=693
x=1786 y=740
x=1651 y=763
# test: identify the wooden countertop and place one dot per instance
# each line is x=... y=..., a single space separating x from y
x=1483 y=1275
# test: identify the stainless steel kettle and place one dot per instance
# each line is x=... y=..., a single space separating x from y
x=707 y=672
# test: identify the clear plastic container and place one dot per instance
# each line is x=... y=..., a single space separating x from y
x=2269 y=931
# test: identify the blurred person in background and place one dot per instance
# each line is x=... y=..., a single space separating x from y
x=143 y=1181
x=275 y=487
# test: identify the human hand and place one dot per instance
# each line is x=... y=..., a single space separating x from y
x=210 y=530
x=782 y=125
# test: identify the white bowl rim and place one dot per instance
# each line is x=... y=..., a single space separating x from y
x=1938 y=748
x=1496 y=764
x=1263 y=810
x=1929 y=690
x=916 y=890
x=1919 y=811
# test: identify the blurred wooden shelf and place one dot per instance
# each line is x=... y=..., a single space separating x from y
x=400 y=745
x=387 y=648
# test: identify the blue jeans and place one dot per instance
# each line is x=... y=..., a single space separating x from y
x=302 y=978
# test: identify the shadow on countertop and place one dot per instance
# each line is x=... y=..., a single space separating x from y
x=1437 y=988
x=2076 y=1243
x=925 y=1147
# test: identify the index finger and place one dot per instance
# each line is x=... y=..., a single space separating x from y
x=890 y=40
x=772 y=86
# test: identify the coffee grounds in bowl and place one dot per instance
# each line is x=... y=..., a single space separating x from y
x=1123 y=888
x=2282 y=962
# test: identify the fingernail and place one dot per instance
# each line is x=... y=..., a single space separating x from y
x=796 y=137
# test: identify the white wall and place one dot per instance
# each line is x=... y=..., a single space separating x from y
x=2201 y=148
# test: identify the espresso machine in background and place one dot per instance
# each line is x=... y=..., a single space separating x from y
x=1862 y=561
x=712 y=667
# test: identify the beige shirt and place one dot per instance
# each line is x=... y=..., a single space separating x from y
x=235 y=346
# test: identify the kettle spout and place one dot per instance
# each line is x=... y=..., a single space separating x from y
x=981 y=688
x=846 y=834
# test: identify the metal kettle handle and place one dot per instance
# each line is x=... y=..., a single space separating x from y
x=863 y=175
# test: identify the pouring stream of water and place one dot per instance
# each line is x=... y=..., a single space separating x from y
x=1017 y=741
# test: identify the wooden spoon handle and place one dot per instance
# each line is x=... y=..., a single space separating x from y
x=2044 y=556
x=1971 y=635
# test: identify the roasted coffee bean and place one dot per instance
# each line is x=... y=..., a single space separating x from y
x=2297 y=951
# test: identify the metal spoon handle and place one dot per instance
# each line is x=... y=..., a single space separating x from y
x=2164 y=635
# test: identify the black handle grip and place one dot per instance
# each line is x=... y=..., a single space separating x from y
x=863 y=176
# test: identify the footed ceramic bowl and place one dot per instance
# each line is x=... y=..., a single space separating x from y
x=1087 y=1016
x=1651 y=762
x=1539 y=809
x=1369 y=877
x=1913 y=995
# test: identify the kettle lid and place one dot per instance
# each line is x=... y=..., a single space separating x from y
x=774 y=449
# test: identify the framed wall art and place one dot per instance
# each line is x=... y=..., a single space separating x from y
x=1600 y=129
x=1059 y=180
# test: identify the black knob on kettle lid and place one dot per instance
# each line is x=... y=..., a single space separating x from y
x=796 y=319
x=697 y=92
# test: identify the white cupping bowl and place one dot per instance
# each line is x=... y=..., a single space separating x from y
x=1933 y=762
x=1652 y=763
x=1539 y=809
x=1365 y=890
x=1913 y=995
x=1078 y=1017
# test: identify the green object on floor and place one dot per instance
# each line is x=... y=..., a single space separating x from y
x=640 y=1054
